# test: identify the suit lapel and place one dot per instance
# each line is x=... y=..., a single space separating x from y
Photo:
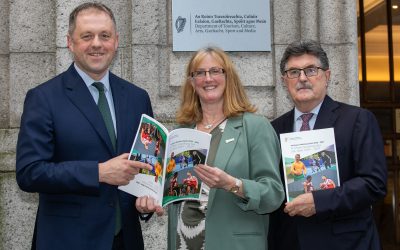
x=326 y=116
x=225 y=148
x=78 y=93
x=120 y=107
x=288 y=122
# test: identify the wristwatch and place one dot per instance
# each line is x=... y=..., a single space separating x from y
x=236 y=188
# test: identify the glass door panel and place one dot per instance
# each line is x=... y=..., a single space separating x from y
x=396 y=46
x=377 y=87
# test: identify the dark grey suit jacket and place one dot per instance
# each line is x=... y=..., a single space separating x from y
x=343 y=217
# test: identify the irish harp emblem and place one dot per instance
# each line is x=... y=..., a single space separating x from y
x=180 y=24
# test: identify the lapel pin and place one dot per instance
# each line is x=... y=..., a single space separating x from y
x=229 y=140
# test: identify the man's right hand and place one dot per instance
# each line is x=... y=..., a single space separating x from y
x=119 y=170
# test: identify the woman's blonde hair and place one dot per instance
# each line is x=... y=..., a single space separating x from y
x=235 y=98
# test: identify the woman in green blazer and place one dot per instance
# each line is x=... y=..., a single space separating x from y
x=241 y=182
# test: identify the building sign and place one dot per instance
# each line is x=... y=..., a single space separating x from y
x=233 y=25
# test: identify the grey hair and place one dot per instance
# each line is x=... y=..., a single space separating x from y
x=299 y=48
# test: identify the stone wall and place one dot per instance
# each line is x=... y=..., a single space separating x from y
x=33 y=49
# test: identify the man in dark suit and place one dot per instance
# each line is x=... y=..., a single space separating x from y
x=339 y=218
x=73 y=152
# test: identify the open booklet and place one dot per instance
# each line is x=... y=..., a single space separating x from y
x=172 y=156
x=309 y=161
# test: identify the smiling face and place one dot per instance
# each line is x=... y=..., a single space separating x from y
x=94 y=42
x=209 y=89
x=306 y=92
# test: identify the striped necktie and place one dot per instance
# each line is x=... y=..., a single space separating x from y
x=306 y=118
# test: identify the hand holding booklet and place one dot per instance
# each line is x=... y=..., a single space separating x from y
x=172 y=156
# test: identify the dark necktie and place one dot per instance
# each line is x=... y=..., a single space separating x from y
x=306 y=118
x=105 y=112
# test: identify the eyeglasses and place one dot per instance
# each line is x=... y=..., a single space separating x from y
x=213 y=72
x=295 y=73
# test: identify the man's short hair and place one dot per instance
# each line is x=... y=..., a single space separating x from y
x=85 y=6
x=299 y=48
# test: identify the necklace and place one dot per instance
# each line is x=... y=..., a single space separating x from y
x=210 y=125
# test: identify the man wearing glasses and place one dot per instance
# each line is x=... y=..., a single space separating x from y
x=338 y=218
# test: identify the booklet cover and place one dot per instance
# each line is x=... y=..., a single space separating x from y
x=172 y=156
x=309 y=161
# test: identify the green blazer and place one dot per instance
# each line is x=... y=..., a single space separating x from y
x=249 y=149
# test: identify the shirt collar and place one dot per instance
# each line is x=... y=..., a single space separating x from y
x=315 y=111
x=89 y=81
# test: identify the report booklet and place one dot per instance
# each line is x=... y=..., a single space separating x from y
x=309 y=161
x=172 y=155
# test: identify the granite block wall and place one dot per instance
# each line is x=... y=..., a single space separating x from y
x=33 y=50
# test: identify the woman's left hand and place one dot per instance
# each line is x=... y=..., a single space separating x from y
x=214 y=177
x=147 y=204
